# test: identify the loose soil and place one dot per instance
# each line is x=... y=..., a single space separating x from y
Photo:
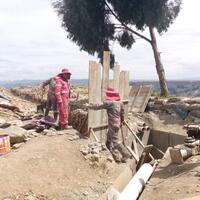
x=54 y=168
x=174 y=182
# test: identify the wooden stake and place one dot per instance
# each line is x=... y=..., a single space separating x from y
x=95 y=137
x=135 y=155
x=137 y=138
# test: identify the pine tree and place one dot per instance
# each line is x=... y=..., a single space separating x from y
x=94 y=24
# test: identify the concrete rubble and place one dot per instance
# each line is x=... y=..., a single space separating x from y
x=186 y=108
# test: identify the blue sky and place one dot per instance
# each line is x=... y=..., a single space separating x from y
x=34 y=46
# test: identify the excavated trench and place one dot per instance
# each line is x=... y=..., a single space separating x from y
x=160 y=140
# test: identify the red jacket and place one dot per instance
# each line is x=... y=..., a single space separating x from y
x=62 y=89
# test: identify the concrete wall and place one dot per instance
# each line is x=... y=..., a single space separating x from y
x=162 y=140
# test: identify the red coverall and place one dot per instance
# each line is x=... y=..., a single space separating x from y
x=62 y=92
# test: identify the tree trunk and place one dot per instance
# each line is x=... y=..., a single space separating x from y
x=159 y=66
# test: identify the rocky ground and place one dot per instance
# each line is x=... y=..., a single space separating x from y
x=59 y=165
x=51 y=164
x=52 y=167
x=175 y=182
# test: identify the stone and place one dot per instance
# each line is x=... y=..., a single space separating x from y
x=4 y=125
x=95 y=158
x=85 y=193
x=85 y=150
x=27 y=139
x=103 y=146
x=30 y=197
x=95 y=151
x=94 y=144
x=17 y=134
x=76 y=137
x=17 y=146
x=110 y=159
x=16 y=122
x=2 y=121
x=70 y=132
x=60 y=133
x=29 y=124
x=35 y=134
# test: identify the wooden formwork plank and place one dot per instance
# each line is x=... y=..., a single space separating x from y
x=139 y=97
x=124 y=93
x=105 y=73
x=111 y=83
x=94 y=116
x=116 y=75
x=104 y=86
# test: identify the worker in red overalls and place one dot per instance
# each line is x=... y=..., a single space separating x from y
x=62 y=92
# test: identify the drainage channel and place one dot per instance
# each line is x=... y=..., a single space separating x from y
x=161 y=140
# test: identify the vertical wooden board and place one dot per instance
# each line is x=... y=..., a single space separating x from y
x=104 y=86
x=116 y=74
x=124 y=89
x=124 y=93
x=105 y=72
x=111 y=84
x=139 y=97
x=94 y=117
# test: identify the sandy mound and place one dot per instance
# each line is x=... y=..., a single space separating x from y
x=54 y=168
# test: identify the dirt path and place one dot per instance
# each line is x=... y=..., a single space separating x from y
x=53 y=167
x=174 y=182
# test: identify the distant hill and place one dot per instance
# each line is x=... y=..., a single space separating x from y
x=179 y=88
x=11 y=84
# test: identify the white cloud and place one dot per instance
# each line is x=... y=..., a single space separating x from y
x=34 y=46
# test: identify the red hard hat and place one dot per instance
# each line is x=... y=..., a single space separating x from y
x=65 y=71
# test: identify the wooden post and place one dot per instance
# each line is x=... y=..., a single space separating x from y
x=116 y=74
x=111 y=83
x=104 y=85
x=105 y=73
x=124 y=89
x=94 y=116
x=124 y=93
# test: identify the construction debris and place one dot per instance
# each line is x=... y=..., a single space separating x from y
x=186 y=108
x=93 y=148
x=78 y=119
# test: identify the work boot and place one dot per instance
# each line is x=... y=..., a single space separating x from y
x=125 y=154
x=109 y=145
x=116 y=156
x=55 y=115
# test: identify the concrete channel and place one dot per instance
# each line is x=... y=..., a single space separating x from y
x=161 y=140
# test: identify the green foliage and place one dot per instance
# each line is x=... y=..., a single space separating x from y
x=86 y=23
x=91 y=25
x=142 y=13
x=126 y=39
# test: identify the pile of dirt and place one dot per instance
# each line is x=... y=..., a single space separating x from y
x=54 y=168
x=22 y=106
